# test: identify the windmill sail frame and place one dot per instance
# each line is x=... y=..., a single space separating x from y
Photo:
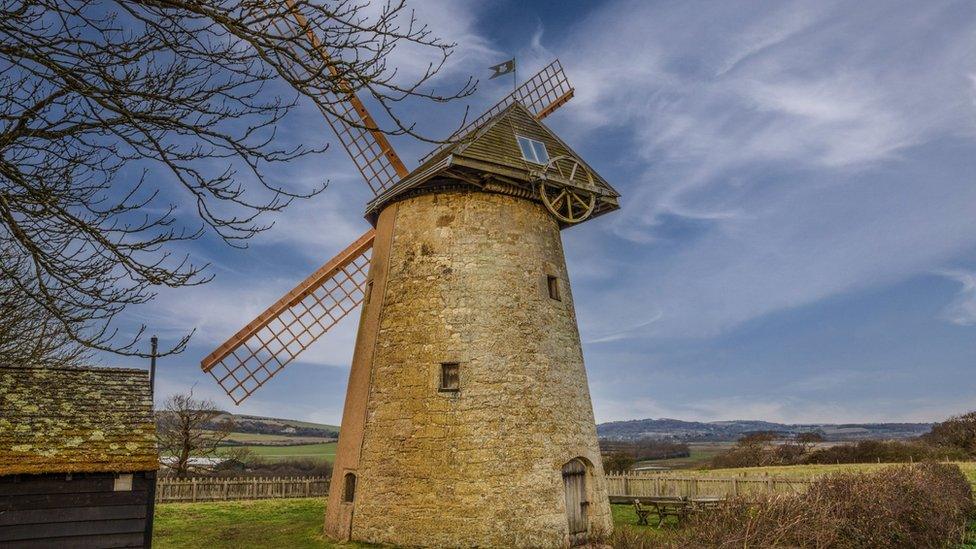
x=277 y=336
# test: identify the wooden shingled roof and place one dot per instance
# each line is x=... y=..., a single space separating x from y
x=492 y=147
x=74 y=420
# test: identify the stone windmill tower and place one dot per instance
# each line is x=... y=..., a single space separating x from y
x=467 y=419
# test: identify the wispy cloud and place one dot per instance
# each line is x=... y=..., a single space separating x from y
x=962 y=310
x=789 y=142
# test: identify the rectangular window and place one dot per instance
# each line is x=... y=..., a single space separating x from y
x=450 y=376
x=123 y=483
x=349 y=490
x=553 y=283
x=532 y=150
x=369 y=291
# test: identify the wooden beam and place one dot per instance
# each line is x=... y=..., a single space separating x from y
x=555 y=104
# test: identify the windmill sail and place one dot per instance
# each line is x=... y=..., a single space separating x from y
x=368 y=147
x=276 y=337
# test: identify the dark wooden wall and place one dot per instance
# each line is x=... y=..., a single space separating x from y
x=86 y=511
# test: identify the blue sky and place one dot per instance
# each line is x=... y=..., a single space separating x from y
x=798 y=234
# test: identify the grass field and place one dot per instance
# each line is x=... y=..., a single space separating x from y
x=292 y=523
x=701 y=454
x=297 y=523
x=322 y=451
x=809 y=471
x=280 y=440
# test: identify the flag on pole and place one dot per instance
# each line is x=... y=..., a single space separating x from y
x=503 y=68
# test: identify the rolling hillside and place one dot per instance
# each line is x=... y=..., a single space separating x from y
x=722 y=431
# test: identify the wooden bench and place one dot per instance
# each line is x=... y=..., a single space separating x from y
x=706 y=503
x=641 y=512
x=663 y=507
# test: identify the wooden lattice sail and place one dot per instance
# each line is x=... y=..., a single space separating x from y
x=278 y=335
x=368 y=147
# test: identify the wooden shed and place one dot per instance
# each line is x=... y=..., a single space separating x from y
x=78 y=457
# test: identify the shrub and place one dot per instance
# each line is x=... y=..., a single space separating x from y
x=924 y=505
x=293 y=467
x=956 y=432
x=618 y=462
x=884 y=451
x=866 y=451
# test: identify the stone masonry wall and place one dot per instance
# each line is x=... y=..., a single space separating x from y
x=482 y=466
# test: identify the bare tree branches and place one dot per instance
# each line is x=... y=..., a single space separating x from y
x=117 y=115
x=29 y=335
x=189 y=428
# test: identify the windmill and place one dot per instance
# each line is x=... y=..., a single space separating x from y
x=467 y=419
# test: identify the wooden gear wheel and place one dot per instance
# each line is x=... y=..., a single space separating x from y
x=568 y=204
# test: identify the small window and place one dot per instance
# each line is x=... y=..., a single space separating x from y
x=369 y=291
x=123 y=483
x=553 y=283
x=450 y=376
x=349 y=490
x=532 y=150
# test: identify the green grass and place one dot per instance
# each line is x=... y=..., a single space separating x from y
x=292 y=523
x=701 y=454
x=284 y=440
x=322 y=451
x=297 y=523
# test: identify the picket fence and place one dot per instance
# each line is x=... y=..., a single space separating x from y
x=618 y=486
x=195 y=489
x=655 y=484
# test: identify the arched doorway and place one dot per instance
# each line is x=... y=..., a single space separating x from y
x=577 y=503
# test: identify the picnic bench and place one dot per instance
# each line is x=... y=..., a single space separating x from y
x=663 y=507
x=678 y=507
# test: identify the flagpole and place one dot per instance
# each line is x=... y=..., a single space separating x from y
x=514 y=75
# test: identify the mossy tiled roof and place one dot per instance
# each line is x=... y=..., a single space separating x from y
x=74 y=420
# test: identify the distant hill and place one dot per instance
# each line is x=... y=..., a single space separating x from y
x=721 y=431
x=272 y=431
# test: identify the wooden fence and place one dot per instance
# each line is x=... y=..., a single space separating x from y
x=618 y=487
x=651 y=485
x=226 y=489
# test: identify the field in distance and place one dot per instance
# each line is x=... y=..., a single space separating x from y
x=807 y=471
x=701 y=455
x=324 y=451
x=262 y=439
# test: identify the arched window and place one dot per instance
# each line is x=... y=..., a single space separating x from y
x=349 y=489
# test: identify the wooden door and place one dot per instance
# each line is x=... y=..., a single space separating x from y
x=574 y=483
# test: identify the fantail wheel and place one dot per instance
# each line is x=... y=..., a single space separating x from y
x=568 y=204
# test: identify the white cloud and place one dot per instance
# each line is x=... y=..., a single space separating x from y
x=788 y=139
x=962 y=309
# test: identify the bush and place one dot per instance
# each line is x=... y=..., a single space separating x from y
x=924 y=505
x=757 y=454
x=618 y=462
x=956 y=432
x=884 y=451
x=294 y=467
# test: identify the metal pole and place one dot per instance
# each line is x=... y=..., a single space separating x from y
x=153 y=342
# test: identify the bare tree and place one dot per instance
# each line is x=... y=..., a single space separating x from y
x=188 y=427
x=29 y=335
x=113 y=114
